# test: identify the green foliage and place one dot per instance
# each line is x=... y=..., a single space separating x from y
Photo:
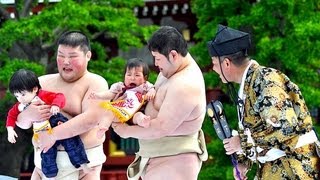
x=100 y=18
x=34 y=37
x=285 y=36
x=15 y=64
x=112 y=71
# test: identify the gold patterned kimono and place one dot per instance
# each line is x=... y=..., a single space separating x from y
x=276 y=115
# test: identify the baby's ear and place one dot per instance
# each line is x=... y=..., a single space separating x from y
x=145 y=78
x=35 y=89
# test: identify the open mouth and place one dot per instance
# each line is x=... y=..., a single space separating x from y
x=67 y=69
x=132 y=85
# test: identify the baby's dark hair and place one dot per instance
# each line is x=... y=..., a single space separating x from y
x=23 y=80
x=136 y=62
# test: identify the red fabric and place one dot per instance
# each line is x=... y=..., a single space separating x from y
x=49 y=98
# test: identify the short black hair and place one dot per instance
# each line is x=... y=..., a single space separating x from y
x=136 y=62
x=168 y=38
x=75 y=39
x=239 y=58
x=23 y=80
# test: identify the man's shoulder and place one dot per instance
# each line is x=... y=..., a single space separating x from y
x=187 y=78
x=94 y=81
x=92 y=77
x=48 y=76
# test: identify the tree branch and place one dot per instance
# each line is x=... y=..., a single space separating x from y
x=27 y=7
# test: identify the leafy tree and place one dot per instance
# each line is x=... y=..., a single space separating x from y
x=285 y=35
x=32 y=39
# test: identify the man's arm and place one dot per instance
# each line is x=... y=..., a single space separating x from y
x=36 y=111
x=88 y=119
x=90 y=115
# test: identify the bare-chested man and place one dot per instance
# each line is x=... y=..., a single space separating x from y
x=172 y=147
x=76 y=83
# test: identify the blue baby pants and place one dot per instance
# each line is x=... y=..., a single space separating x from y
x=73 y=146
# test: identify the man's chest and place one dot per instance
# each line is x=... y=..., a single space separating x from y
x=74 y=95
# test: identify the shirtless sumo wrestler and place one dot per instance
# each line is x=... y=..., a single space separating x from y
x=169 y=147
x=76 y=83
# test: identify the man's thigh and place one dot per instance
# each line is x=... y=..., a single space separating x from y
x=180 y=167
x=64 y=174
x=94 y=173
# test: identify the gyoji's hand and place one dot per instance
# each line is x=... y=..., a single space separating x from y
x=11 y=134
x=232 y=145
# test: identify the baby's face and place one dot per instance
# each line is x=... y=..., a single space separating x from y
x=25 y=97
x=134 y=77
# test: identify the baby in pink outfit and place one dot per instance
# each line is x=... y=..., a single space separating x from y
x=135 y=90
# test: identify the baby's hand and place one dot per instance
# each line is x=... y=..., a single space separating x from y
x=150 y=94
x=11 y=134
x=141 y=119
x=54 y=110
x=144 y=122
x=117 y=87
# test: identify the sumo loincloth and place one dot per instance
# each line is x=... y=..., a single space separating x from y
x=166 y=146
x=95 y=155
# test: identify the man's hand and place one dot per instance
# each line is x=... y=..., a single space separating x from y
x=103 y=126
x=232 y=145
x=36 y=111
x=120 y=129
x=46 y=140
